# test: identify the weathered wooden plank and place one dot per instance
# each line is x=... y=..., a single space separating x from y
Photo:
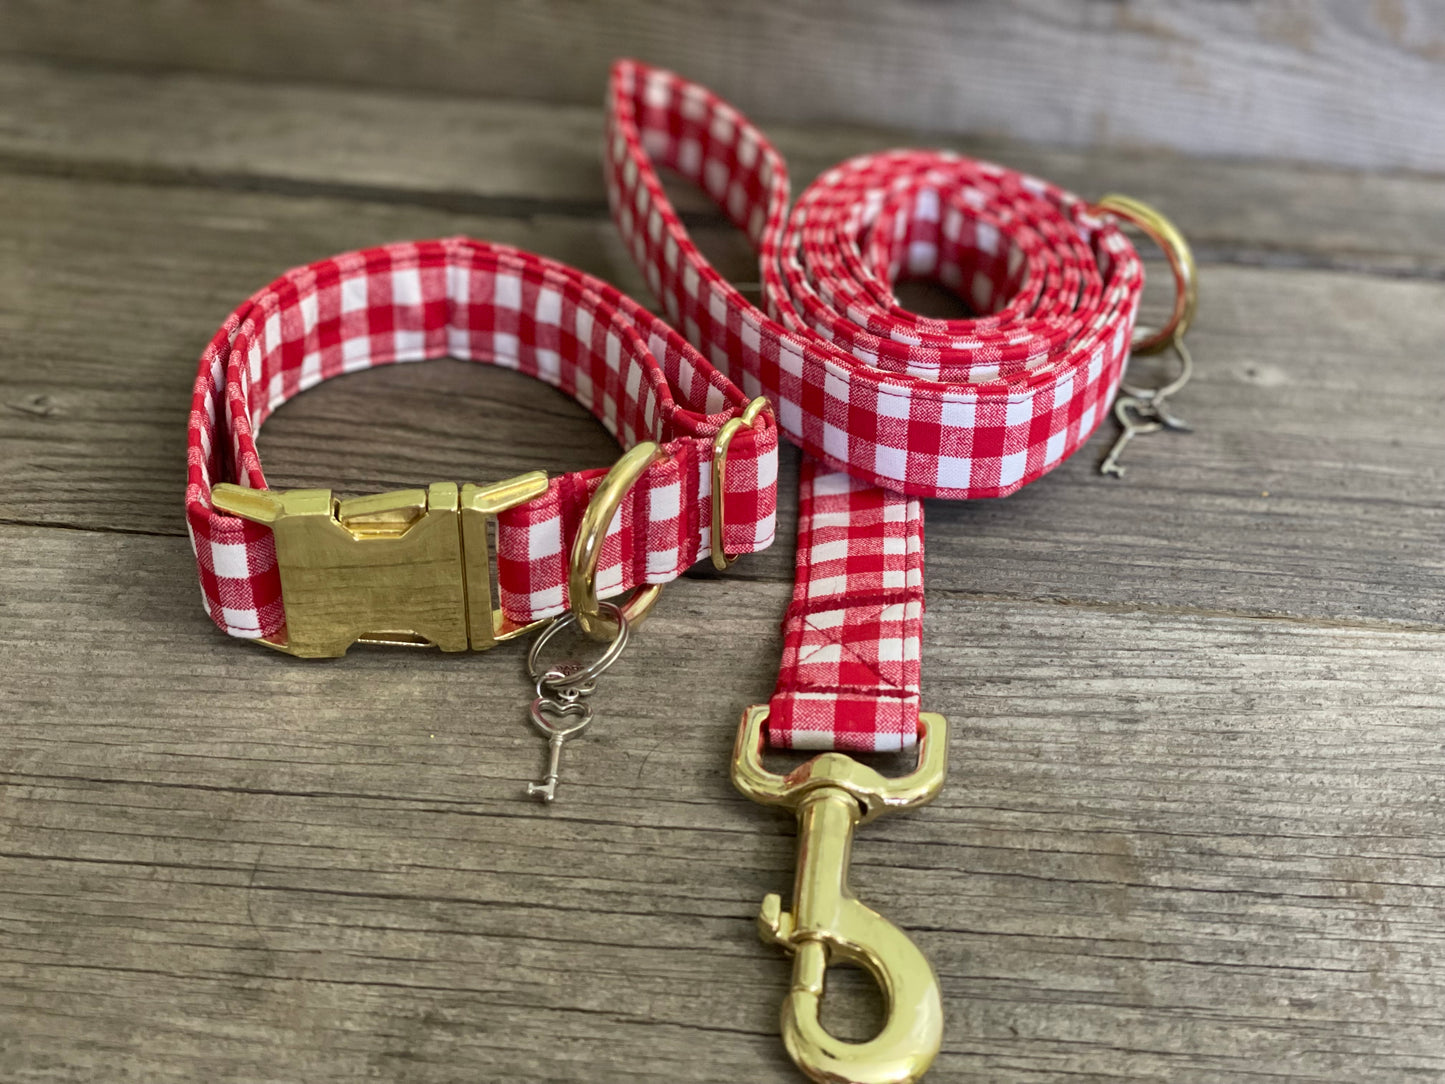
x=1180 y=843
x=1173 y=847
x=508 y=157
x=1319 y=442
x=1332 y=82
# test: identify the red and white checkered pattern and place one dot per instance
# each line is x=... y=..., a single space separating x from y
x=916 y=406
x=850 y=672
x=467 y=299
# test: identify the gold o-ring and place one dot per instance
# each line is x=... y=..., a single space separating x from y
x=587 y=547
x=720 y=445
x=1181 y=261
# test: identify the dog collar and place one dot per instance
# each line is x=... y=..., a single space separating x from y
x=310 y=574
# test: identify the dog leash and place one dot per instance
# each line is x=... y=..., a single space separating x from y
x=889 y=407
x=307 y=574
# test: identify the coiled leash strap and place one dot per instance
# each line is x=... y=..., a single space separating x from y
x=311 y=575
x=888 y=407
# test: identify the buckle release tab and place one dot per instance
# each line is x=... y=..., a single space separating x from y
x=410 y=567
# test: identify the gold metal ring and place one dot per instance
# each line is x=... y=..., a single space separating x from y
x=1181 y=261
x=720 y=445
x=587 y=547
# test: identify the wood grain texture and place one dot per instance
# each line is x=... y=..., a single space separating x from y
x=1193 y=829
x=1336 y=81
x=1185 y=849
x=512 y=158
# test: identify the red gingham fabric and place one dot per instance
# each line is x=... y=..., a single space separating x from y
x=894 y=406
x=466 y=299
x=850 y=672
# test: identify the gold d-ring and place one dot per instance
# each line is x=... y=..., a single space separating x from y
x=720 y=445
x=1181 y=261
x=587 y=547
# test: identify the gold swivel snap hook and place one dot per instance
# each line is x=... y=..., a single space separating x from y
x=831 y=795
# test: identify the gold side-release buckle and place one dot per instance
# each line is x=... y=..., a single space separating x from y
x=831 y=795
x=408 y=567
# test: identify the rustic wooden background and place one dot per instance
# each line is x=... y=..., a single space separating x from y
x=1196 y=821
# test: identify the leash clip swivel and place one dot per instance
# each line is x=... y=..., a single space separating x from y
x=832 y=794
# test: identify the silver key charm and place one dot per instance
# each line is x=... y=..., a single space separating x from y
x=561 y=710
x=557 y=721
x=1134 y=417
